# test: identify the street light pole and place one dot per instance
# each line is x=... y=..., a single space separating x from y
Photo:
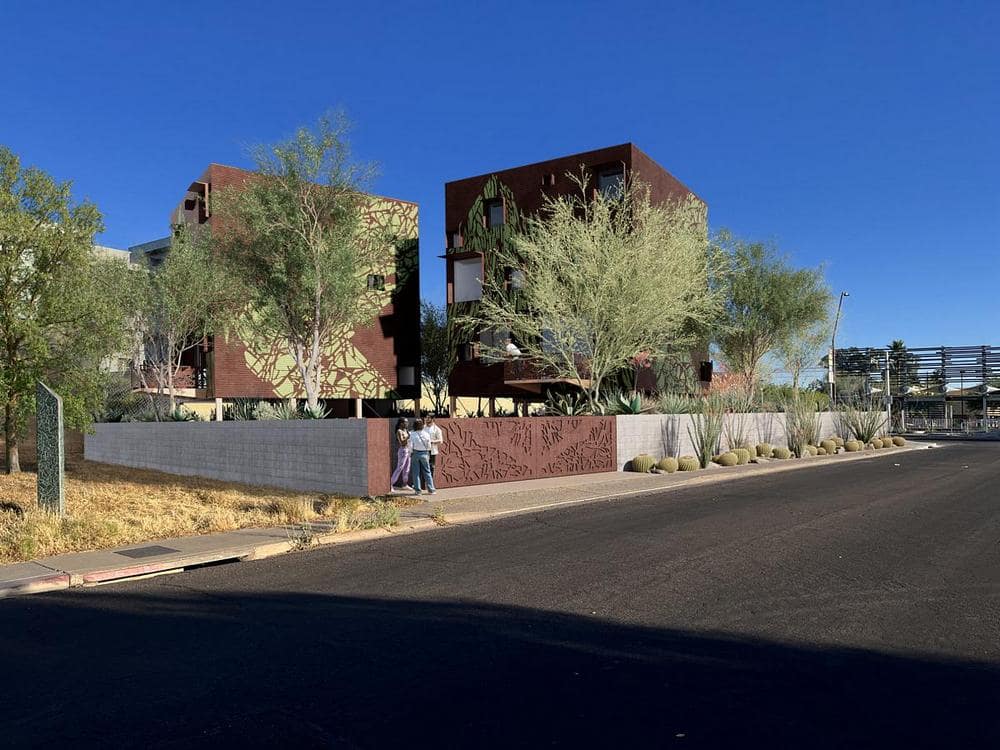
x=833 y=344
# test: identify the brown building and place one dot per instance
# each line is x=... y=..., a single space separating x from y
x=483 y=211
x=367 y=368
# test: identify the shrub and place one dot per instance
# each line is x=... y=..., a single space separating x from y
x=727 y=459
x=567 y=405
x=281 y=410
x=743 y=455
x=678 y=403
x=853 y=446
x=828 y=446
x=781 y=452
x=667 y=464
x=688 y=463
x=707 y=430
x=642 y=463
x=821 y=451
x=764 y=450
x=182 y=414
x=898 y=441
x=802 y=424
x=864 y=419
x=240 y=410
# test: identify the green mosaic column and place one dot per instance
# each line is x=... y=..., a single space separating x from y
x=51 y=450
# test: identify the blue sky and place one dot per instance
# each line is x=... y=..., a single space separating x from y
x=858 y=135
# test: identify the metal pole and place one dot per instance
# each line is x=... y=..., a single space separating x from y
x=833 y=344
x=888 y=394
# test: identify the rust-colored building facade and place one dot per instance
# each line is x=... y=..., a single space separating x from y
x=482 y=211
x=370 y=366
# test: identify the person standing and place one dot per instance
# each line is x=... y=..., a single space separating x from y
x=420 y=451
x=437 y=438
x=402 y=471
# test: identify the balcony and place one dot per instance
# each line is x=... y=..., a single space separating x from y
x=529 y=376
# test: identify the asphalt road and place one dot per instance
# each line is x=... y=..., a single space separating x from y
x=838 y=606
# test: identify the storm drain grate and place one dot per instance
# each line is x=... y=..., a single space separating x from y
x=150 y=551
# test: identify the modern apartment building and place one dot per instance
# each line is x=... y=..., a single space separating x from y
x=481 y=212
x=364 y=370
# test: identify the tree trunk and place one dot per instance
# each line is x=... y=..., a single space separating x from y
x=12 y=461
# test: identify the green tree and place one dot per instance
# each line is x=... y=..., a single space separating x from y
x=294 y=236
x=766 y=303
x=61 y=312
x=436 y=353
x=178 y=304
x=601 y=279
x=802 y=348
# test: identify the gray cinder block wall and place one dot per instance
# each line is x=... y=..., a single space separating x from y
x=328 y=455
x=667 y=434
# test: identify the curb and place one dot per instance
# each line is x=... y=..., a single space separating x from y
x=39 y=578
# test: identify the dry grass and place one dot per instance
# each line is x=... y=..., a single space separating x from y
x=111 y=506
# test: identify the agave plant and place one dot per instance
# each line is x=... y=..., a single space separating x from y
x=314 y=412
x=567 y=405
x=180 y=414
x=281 y=410
x=628 y=403
x=707 y=429
x=240 y=410
x=678 y=403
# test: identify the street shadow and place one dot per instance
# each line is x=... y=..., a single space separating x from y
x=182 y=669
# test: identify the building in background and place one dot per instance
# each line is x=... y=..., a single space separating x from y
x=482 y=212
x=365 y=370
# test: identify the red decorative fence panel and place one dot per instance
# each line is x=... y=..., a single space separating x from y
x=483 y=451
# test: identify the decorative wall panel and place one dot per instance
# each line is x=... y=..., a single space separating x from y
x=483 y=451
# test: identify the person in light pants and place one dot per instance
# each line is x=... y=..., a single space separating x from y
x=420 y=451
x=437 y=438
x=402 y=472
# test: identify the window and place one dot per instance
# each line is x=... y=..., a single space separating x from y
x=376 y=282
x=467 y=274
x=610 y=182
x=494 y=213
x=468 y=352
x=548 y=180
x=407 y=375
x=454 y=240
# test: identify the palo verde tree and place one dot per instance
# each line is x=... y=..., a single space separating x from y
x=295 y=237
x=436 y=353
x=177 y=304
x=766 y=302
x=802 y=348
x=61 y=315
x=602 y=279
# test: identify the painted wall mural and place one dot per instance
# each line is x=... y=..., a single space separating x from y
x=346 y=370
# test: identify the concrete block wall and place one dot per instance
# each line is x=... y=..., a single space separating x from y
x=329 y=455
x=667 y=434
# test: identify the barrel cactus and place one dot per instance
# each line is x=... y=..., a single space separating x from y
x=781 y=452
x=839 y=441
x=821 y=451
x=688 y=463
x=742 y=455
x=667 y=464
x=764 y=450
x=810 y=449
x=829 y=446
x=853 y=446
x=643 y=463
x=898 y=441
x=727 y=459
x=876 y=443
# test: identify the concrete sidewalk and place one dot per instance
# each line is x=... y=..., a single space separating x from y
x=458 y=505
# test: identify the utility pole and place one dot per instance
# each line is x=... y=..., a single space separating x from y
x=833 y=345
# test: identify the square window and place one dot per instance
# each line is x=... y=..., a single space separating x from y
x=467 y=274
x=610 y=182
x=494 y=213
x=376 y=282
